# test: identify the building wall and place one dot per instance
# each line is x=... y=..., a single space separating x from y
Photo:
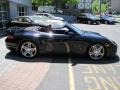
x=13 y=5
x=85 y=4
x=25 y=2
x=115 y=4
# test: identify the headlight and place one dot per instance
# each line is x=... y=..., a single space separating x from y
x=114 y=42
x=111 y=44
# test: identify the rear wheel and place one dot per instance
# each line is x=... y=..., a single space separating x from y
x=28 y=49
x=96 y=52
x=106 y=22
x=98 y=22
x=89 y=22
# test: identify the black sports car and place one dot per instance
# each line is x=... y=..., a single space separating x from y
x=88 y=18
x=107 y=19
x=33 y=40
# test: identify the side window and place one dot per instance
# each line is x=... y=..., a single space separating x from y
x=83 y=16
x=15 y=19
x=40 y=14
x=46 y=15
x=26 y=20
x=61 y=31
x=20 y=19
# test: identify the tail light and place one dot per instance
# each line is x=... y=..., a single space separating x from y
x=10 y=38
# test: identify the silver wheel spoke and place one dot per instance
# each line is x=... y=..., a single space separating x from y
x=28 y=49
x=29 y=44
x=24 y=47
x=33 y=49
x=25 y=53
x=96 y=52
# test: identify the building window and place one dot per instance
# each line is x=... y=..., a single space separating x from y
x=85 y=4
x=3 y=14
x=22 y=10
x=34 y=7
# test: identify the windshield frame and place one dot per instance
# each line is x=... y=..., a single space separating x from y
x=74 y=29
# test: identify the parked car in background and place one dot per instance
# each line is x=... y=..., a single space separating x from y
x=116 y=16
x=50 y=9
x=51 y=16
x=88 y=18
x=31 y=41
x=25 y=21
x=107 y=19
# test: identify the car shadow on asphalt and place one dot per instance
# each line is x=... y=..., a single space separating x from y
x=60 y=58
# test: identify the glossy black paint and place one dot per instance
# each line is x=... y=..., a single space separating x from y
x=88 y=17
x=78 y=41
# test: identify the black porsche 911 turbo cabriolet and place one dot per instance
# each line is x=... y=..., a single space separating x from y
x=32 y=41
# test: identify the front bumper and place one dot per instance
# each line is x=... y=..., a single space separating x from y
x=111 y=50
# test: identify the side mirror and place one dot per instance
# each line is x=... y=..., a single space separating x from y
x=71 y=34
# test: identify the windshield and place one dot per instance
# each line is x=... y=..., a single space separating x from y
x=91 y=15
x=50 y=15
x=75 y=29
x=36 y=18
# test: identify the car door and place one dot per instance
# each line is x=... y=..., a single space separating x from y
x=59 y=43
x=83 y=18
x=75 y=42
x=68 y=42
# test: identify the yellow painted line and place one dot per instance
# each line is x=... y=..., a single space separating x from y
x=71 y=75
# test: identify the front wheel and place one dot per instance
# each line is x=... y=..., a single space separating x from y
x=96 y=52
x=106 y=22
x=89 y=22
x=28 y=49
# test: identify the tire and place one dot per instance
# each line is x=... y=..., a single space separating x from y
x=96 y=52
x=105 y=22
x=98 y=22
x=28 y=49
x=89 y=22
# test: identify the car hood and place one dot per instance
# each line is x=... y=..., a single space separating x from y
x=93 y=36
x=109 y=18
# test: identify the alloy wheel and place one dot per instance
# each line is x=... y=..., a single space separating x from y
x=89 y=22
x=106 y=22
x=28 y=49
x=96 y=52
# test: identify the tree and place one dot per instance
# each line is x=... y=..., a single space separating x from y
x=54 y=2
x=96 y=6
x=42 y=2
x=49 y=2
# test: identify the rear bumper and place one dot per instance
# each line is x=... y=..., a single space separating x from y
x=11 y=46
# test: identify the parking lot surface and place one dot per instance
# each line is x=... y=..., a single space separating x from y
x=61 y=72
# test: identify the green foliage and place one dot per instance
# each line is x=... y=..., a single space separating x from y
x=96 y=6
x=42 y=2
x=49 y=2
